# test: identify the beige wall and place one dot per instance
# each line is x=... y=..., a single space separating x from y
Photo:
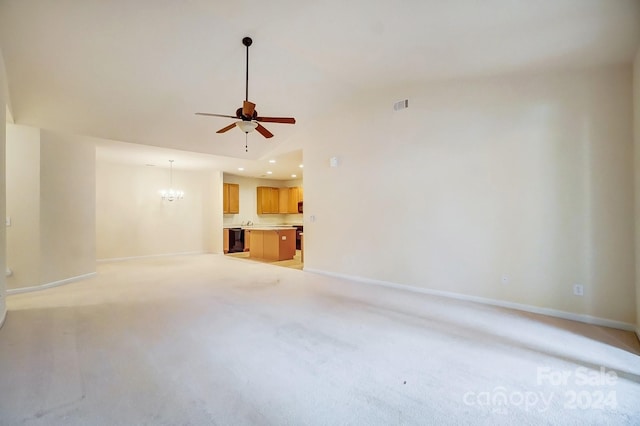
x=248 y=199
x=132 y=220
x=529 y=177
x=636 y=120
x=51 y=184
x=23 y=205
x=67 y=206
x=4 y=100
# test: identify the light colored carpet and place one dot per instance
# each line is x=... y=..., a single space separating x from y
x=206 y=339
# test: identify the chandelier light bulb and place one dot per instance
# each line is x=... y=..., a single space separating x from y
x=171 y=194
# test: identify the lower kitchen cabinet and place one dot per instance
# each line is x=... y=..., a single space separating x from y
x=247 y=239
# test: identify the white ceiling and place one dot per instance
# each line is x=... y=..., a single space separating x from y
x=279 y=167
x=137 y=71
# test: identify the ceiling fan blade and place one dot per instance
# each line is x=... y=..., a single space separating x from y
x=284 y=120
x=264 y=132
x=215 y=115
x=227 y=128
x=248 y=108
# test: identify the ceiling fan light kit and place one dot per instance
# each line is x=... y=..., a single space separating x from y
x=248 y=116
x=247 y=126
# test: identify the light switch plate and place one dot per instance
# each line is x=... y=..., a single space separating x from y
x=578 y=290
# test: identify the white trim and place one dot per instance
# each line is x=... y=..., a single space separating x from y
x=49 y=285
x=149 y=256
x=588 y=319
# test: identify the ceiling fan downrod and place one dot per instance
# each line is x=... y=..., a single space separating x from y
x=247 y=42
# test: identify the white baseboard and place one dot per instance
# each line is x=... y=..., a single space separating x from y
x=588 y=319
x=49 y=285
x=149 y=256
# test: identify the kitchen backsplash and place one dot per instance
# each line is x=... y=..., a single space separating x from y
x=263 y=219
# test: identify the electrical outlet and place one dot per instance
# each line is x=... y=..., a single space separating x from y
x=505 y=279
x=578 y=289
x=8 y=221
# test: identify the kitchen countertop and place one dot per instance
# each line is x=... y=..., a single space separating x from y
x=269 y=228
x=261 y=227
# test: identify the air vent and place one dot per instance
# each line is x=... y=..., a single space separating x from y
x=401 y=105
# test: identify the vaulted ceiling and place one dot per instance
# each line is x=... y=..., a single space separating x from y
x=137 y=71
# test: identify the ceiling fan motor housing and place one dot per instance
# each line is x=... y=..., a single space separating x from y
x=244 y=117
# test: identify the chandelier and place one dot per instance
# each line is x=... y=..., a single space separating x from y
x=171 y=194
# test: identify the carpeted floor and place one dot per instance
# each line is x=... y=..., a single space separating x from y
x=207 y=339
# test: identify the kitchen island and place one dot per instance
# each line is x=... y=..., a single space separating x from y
x=272 y=243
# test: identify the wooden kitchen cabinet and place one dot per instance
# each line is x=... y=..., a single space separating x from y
x=225 y=240
x=275 y=200
x=278 y=200
x=231 y=198
x=283 y=203
x=294 y=197
x=257 y=244
x=268 y=200
x=247 y=239
x=262 y=200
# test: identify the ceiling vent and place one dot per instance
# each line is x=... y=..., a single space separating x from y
x=401 y=105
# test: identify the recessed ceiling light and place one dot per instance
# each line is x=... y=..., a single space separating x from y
x=269 y=172
x=241 y=168
x=272 y=161
x=294 y=176
x=301 y=166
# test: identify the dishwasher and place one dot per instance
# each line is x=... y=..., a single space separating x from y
x=236 y=240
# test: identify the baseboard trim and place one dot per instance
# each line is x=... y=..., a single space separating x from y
x=49 y=285
x=148 y=256
x=588 y=319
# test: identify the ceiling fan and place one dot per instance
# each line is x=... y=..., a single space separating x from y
x=248 y=116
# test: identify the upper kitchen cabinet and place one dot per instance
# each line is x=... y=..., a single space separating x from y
x=231 y=198
x=283 y=196
x=268 y=200
x=278 y=200
x=294 y=197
